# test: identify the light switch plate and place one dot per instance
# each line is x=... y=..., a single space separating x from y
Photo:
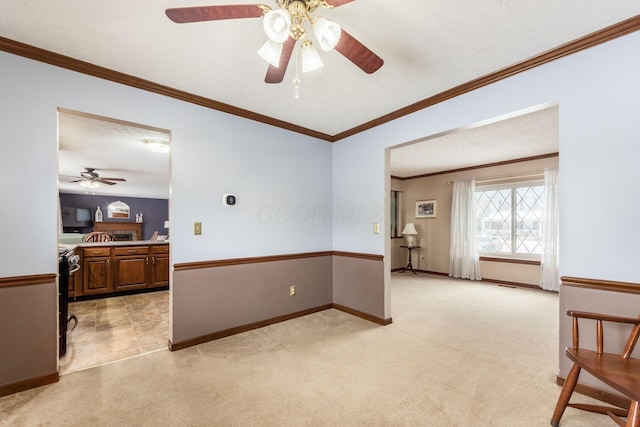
x=197 y=228
x=376 y=228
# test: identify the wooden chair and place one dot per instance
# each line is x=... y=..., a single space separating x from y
x=99 y=236
x=620 y=371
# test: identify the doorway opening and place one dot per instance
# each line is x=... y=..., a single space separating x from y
x=118 y=295
x=514 y=150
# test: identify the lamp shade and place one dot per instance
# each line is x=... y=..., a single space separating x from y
x=310 y=58
x=327 y=33
x=409 y=230
x=276 y=24
x=270 y=52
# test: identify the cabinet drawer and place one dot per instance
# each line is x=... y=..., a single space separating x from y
x=131 y=250
x=160 y=249
x=89 y=252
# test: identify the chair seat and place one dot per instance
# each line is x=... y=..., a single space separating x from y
x=621 y=374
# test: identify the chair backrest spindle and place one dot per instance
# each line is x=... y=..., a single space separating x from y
x=599 y=337
x=576 y=334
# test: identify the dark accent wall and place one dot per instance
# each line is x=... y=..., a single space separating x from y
x=155 y=211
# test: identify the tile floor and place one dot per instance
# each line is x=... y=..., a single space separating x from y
x=111 y=329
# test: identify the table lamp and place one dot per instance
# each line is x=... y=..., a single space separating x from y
x=408 y=232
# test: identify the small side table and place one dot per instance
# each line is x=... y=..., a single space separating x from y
x=409 y=266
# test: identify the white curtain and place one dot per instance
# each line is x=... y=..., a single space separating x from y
x=550 y=246
x=464 y=260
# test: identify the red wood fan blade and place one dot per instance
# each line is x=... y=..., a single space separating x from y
x=183 y=15
x=336 y=3
x=358 y=53
x=276 y=74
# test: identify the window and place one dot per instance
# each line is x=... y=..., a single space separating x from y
x=509 y=219
x=395 y=214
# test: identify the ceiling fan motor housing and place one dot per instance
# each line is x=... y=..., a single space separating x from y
x=89 y=173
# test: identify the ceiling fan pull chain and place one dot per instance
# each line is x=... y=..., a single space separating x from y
x=296 y=81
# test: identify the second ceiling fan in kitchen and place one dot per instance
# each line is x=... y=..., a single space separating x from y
x=91 y=179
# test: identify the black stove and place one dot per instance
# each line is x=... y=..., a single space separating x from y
x=67 y=266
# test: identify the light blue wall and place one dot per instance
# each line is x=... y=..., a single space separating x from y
x=275 y=171
x=213 y=153
x=598 y=91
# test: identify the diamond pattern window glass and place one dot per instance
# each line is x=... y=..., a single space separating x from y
x=509 y=219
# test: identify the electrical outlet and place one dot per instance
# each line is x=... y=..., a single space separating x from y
x=292 y=290
x=197 y=228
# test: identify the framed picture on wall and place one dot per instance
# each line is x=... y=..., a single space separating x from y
x=426 y=208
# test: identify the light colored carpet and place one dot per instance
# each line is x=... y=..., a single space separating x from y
x=458 y=353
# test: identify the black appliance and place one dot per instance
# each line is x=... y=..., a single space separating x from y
x=67 y=265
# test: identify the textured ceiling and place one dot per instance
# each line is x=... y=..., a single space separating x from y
x=427 y=47
x=522 y=135
x=115 y=149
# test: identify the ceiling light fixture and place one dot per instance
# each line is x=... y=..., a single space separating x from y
x=289 y=21
x=310 y=59
x=271 y=52
x=89 y=183
x=285 y=24
x=276 y=25
x=157 y=146
x=327 y=33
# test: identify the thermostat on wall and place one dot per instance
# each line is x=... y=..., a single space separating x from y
x=229 y=200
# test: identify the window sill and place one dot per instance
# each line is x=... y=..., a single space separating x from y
x=511 y=260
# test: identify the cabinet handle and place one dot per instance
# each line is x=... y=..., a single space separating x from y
x=108 y=263
x=132 y=251
x=154 y=260
x=146 y=260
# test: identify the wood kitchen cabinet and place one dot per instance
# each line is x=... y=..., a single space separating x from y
x=117 y=268
x=96 y=271
x=131 y=265
x=160 y=265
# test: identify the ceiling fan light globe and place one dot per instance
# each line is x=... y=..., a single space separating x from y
x=310 y=59
x=270 y=52
x=276 y=24
x=327 y=33
x=87 y=183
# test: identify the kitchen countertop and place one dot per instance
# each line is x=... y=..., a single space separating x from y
x=73 y=246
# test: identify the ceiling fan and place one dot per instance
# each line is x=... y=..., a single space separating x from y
x=284 y=26
x=89 y=178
